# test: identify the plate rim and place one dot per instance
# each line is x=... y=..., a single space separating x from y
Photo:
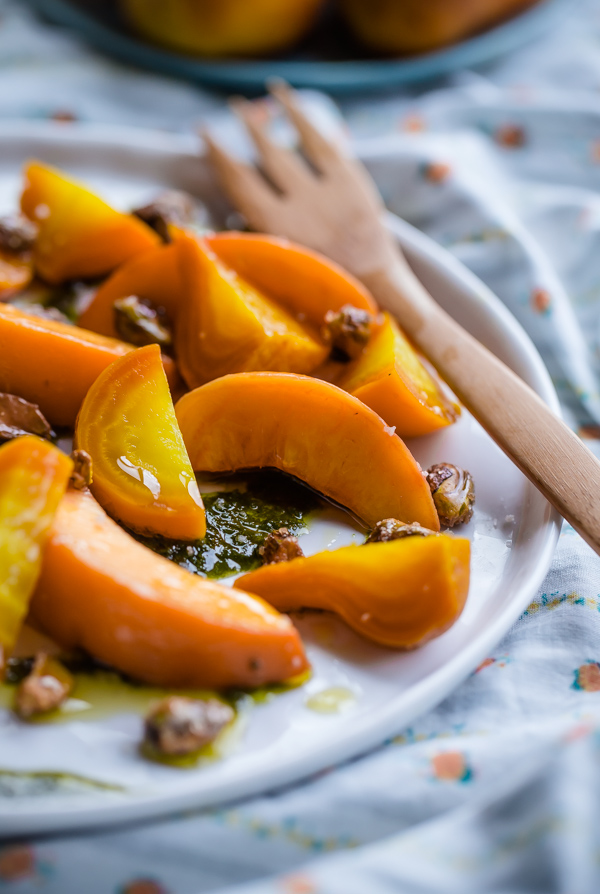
x=89 y=813
x=338 y=77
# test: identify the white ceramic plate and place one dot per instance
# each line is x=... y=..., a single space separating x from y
x=513 y=534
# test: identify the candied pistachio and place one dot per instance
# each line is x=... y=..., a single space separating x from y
x=179 y=725
x=17 y=235
x=453 y=493
x=170 y=207
x=44 y=689
x=393 y=529
x=139 y=323
x=20 y=417
x=280 y=546
x=82 y=470
x=347 y=330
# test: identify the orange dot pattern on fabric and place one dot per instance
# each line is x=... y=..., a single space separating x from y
x=541 y=300
x=298 y=884
x=413 y=124
x=143 y=886
x=451 y=766
x=587 y=677
x=437 y=172
x=511 y=136
x=17 y=863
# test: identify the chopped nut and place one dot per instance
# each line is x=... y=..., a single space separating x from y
x=280 y=546
x=170 y=207
x=46 y=688
x=139 y=323
x=19 y=417
x=17 y=235
x=180 y=726
x=453 y=492
x=393 y=529
x=82 y=470
x=348 y=330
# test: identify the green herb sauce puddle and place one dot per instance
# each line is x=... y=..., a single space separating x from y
x=239 y=517
x=237 y=523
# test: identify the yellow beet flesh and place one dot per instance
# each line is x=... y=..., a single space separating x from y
x=79 y=234
x=390 y=377
x=223 y=325
x=142 y=473
x=399 y=594
x=33 y=477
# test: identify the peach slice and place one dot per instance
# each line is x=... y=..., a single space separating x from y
x=102 y=591
x=141 y=471
x=53 y=364
x=399 y=594
x=390 y=378
x=312 y=430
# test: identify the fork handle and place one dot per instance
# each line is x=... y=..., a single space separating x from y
x=537 y=441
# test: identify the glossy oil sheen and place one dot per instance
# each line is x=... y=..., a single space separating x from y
x=99 y=693
x=142 y=474
x=237 y=523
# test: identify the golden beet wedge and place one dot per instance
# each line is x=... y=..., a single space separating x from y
x=102 y=591
x=79 y=234
x=223 y=325
x=153 y=276
x=390 y=378
x=399 y=594
x=33 y=477
x=300 y=281
x=53 y=364
x=306 y=283
x=141 y=471
x=222 y=27
x=312 y=430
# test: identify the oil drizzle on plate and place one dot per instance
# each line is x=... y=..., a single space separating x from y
x=101 y=693
x=37 y=783
x=334 y=700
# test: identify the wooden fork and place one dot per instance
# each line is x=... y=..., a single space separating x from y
x=329 y=203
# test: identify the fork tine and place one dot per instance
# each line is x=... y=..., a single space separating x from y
x=284 y=168
x=320 y=151
x=247 y=190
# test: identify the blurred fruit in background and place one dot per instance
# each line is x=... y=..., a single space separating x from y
x=222 y=27
x=338 y=46
x=414 y=26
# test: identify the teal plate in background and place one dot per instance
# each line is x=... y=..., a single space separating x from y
x=336 y=65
